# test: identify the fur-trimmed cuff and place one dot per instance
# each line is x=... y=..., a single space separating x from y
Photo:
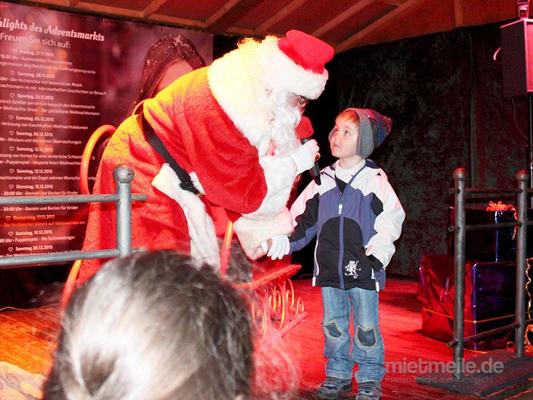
x=280 y=173
x=252 y=232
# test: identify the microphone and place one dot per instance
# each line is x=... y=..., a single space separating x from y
x=304 y=131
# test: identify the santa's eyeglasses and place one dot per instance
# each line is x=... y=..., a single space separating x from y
x=299 y=101
x=302 y=101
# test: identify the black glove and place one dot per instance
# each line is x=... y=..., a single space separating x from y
x=375 y=263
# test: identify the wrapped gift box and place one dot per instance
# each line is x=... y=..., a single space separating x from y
x=489 y=299
x=497 y=244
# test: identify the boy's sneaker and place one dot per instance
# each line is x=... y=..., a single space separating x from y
x=332 y=388
x=369 y=391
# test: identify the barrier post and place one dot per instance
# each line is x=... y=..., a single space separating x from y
x=123 y=178
x=459 y=265
x=521 y=246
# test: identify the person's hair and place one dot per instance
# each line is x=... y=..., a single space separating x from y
x=349 y=115
x=154 y=326
x=346 y=115
x=163 y=53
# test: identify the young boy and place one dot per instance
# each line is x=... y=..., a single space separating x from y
x=356 y=217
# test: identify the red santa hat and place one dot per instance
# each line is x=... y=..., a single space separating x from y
x=296 y=63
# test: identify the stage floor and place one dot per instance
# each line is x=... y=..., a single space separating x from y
x=400 y=320
x=27 y=340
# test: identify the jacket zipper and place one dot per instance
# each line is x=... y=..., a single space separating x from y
x=341 y=243
x=341 y=229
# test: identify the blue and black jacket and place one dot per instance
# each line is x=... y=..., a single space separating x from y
x=356 y=220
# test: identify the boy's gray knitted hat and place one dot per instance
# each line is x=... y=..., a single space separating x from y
x=373 y=129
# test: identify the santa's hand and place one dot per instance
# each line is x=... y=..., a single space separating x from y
x=304 y=157
x=279 y=247
x=259 y=251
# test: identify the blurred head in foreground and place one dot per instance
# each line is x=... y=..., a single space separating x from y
x=154 y=325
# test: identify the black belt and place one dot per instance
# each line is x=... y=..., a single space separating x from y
x=157 y=144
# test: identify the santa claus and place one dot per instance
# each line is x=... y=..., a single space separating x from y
x=228 y=131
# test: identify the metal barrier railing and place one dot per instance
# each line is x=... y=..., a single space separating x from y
x=123 y=199
x=277 y=310
x=460 y=229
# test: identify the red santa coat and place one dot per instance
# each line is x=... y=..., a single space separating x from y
x=201 y=137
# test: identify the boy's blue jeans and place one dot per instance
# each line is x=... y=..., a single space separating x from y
x=367 y=344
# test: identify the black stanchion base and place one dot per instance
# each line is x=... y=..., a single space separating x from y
x=497 y=375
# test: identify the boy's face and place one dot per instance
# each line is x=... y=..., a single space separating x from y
x=343 y=139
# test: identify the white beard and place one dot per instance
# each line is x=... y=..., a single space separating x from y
x=284 y=119
x=263 y=115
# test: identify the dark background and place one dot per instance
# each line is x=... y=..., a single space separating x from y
x=444 y=94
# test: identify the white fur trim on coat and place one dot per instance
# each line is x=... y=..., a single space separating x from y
x=204 y=244
x=252 y=232
x=233 y=82
x=280 y=72
x=280 y=172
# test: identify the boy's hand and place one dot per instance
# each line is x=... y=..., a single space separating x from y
x=304 y=157
x=375 y=263
x=279 y=246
